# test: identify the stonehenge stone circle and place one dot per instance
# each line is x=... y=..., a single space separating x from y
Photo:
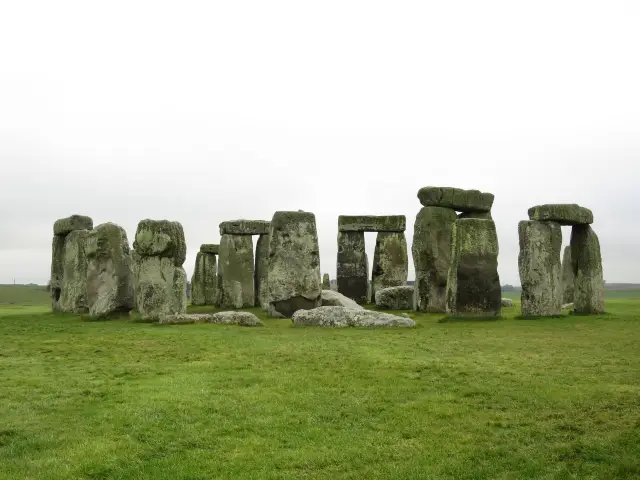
x=353 y=267
x=540 y=268
x=390 y=261
x=588 y=296
x=346 y=317
x=568 y=283
x=431 y=251
x=110 y=277
x=336 y=299
x=74 y=293
x=236 y=271
x=204 y=281
x=456 y=199
x=473 y=287
x=326 y=283
x=564 y=214
x=372 y=223
x=395 y=298
x=244 y=227
x=160 y=288
x=262 y=272
x=294 y=264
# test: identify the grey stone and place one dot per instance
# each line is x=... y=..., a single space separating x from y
x=294 y=263
x=372 y=223
x=110 y=282
x=568 y=283
x=480 y=215
x=204 y=282
x=73 y=295
x=135 y=270
x=568 y=306
x=352 y=267
x=562 y=213
x=326 y=282
x=161 y=238
x=336 y=299
x=197 y=281
x=57 y=272
x=160 y=289
x=390 y=262
x=236 y=270
x=244 y=319
x=588 y=296
x=507 y=302
x=244 y=227
x=539 y=267
x=395 y=298
x=213 y=248
x=262 y=272
x=431 y=251
x=456 y=199
x=473 y=287
x=346 y=317
x=64 y=226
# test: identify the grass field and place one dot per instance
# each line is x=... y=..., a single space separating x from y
x=507 y=399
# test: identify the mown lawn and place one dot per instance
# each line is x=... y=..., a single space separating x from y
x=507 y=399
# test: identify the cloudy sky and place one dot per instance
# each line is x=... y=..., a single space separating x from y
x=215 y=110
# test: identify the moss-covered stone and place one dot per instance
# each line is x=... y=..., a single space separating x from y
x=110 y=278
x=64 y=226
x=161 y=238
x=73 y=295
x=160 y=289
x=348 y=317
x=390 y=261
x=135 y=270
x=473 y=287
x=326 y=282
x=213 y=248
x=456 y=199
x=262 y=272
x=539 y=266
x=395 y=298
x=197 y=281
x=294 y=263
x=236 y=271
x=480 y=215
x=372 y=223
x=431 y=251
x=353 y=267
x=179 y=291
x=204 y=282
x=588 y=296
x=568 y=283
x=57 y=271
x=244 y=227
x=562 y=213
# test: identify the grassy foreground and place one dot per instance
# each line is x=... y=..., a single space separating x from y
x=555 y=398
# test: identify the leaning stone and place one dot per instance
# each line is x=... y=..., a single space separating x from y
x=473 y=287
x=236 y=271
x=294 y=263
x=390 y=262
x=110 y=288
x=244 y=227
x=372 y=223
x=456 y=199
x=352 y=267
x=539 y=267
x=210 y=248
x=346 y=317
x=64 y=226
x=335 y=299
x=568 y=281
x=197 y=281
x=244 y=319
x=160 y=289
x=161 y=238
x=588 y=296
x=507 y=302
x=564 y=214
x=326 y=282
x=73 y=296
x=262 y=272
x=431 y=251
x=395 y=298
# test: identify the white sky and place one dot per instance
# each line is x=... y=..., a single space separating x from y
x=208 y=111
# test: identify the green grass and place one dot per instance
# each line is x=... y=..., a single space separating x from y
x=24 y=295
x=556 y=398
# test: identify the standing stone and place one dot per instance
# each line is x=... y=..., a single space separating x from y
x=262 y=271
x=110 y=272
x=73 y=297
x=568 y=283
x=197 y=281
x=539 y=266
x=390 y=262
x=352 y=267
x=204 y=282
x=473 y=287
x=236 y=271
x=588 y=296
x=294 y=264
x=431 y=251
x=326 y=283
x=135 y=271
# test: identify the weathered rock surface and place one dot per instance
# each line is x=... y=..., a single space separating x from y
x=57 y=271
x=65 y=226
x=336 y=299
x=213 y=248
x=539 y=267
x=372 y=223
x=588 y=296
x=568 y=283
x=562 y=213
x=197 y=281
x=244 y=227
x=353 y=267
x=346 y=317
x=390 y=262
x=326 y=282
x=244 y=319
x=473 y=288
x=480 y=215
x=135 y=270
x=507 y=302
x=204 y=281
x=236 y=270
x=161 y=238
x=568 y=306
x=73 y=297
x=395 y=298
x=432 y=257
x=110 y=282
x=456 y=199
x=262 y=272
x=294 y=263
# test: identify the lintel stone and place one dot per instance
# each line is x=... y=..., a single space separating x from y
x=245 y=227
x=456 y=198
x=562 y=213
x=372 y=223
x=210 y=248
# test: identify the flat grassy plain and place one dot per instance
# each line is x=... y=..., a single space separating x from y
x=505 y=399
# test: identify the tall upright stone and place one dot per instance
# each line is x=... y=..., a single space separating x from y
x=262 y=271
x=74 y=293
x=390 y=262
x=204 y=282
x=352 y=267
x=587 y=270
x=326 y=282
x=539 y=266
x=431 y=251
x=197 y=281
x=110 y=280
x=568 y=283
x=473 y=287
x=236 y=270
x=294 y=264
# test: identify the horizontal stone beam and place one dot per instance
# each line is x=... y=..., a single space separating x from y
x=372 y=223
x=65 y=226
x=456 y=199
x=245 y=227
x=562 y=213
x=210 y=248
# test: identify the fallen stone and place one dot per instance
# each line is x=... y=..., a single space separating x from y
x=564 y=214
x=568 y=281
x=506 y=302
x=244 y=227
x=64 y=226
x=353 y=267
x=390 y=262
x=588 y=296
x=161 y=238
x=213 y=248
x=336 y=299
x=262 y=272
x=244 y=319
x=236 y=270
x=456 y=199
x=372 y=223
x=326 y=283
x=395 y=298
x=346 y=317
x=73 y=293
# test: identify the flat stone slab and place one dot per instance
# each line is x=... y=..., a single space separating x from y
x=335 y=299
x=245 y=227
x=346 y=317
x=506 y=302
x=456 y=199
x=210 y=248
x=244 y=319
x=562 y=213
x=161 y=238
x=372 y=223
x=395 y=298
x=65 y=226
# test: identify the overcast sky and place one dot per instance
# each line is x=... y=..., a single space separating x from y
x=209 y=111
